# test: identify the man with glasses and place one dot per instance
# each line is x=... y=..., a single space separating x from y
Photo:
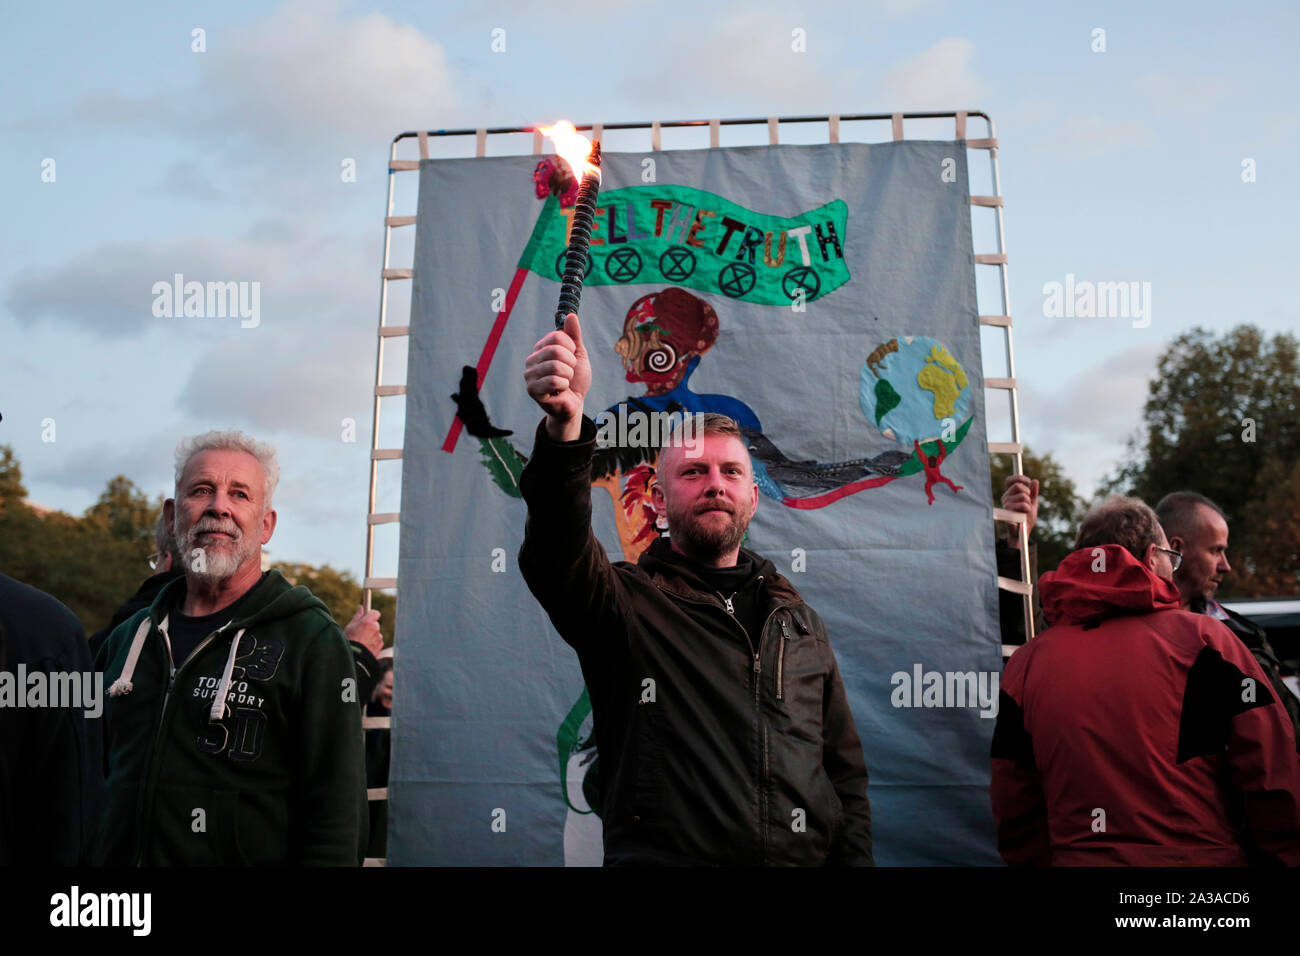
x=1175 y=558
x=166 y=566
x=362 y=631
x=1198 y=528
x=232 y=730
x=1132 y=732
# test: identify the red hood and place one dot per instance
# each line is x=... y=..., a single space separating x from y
x=1081 y=591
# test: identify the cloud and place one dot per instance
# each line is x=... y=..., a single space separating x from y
x=108 y=288
x=1268 y=131
x=746 y=55
x=1093 y=135
x=1086 y=419
x=1281 y=125
x=1103 y=401
x=940 y=77
x=188 y=180
x=1029 y=112
x=105 y=110
x=146 y=460
x=566 y=11
x=1183 y=93
x=275 y=380
x=895 y=9
x=307 y=74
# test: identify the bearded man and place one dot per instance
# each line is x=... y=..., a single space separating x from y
x=1132 y=732
x=724 y=731
x=1197 y=529
x=231 y=728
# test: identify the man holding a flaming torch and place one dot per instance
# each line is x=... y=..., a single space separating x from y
x=724 y=732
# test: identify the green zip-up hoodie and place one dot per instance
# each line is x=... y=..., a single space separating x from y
x=278 y=778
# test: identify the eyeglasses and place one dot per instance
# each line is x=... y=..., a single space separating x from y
x=1175 y=557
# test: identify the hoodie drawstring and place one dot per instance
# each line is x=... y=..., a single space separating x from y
x=218 y=709
x=123 y=685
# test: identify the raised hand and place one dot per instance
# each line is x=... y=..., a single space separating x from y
x=1021 y=495
x=558 y=377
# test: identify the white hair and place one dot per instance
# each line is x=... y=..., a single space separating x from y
x=230 y=441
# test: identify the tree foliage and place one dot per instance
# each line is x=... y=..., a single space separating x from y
x=11 y=478
x=95 y=562
x=1060 y=509
x=1269 y=563
x=341 y=593
x=1221 y=418
x=125 y=513
x=92 y=563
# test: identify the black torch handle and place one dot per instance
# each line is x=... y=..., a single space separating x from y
x=575 y=260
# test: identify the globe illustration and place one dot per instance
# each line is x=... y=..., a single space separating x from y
x=913 y=390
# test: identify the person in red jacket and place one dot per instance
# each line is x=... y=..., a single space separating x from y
x=1135 y=733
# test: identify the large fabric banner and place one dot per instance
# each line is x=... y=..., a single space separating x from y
x=823 y=296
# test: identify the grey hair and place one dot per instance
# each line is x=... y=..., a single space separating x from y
x=163 y=539
x=230 y=441
x=1129 y=522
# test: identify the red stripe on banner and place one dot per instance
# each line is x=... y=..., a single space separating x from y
x=489 y=350
x=821 y=501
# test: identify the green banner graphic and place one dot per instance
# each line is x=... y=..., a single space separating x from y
x=688 y=237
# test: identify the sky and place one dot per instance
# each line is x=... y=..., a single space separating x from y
x=1151 y=143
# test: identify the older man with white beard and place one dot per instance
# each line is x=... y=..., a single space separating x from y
x=231 y=730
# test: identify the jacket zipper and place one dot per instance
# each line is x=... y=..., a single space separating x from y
x=732 y=611
x=780 y=660
x=748 y=640
x=763 y=809
x=764 y=767
x=154 y=758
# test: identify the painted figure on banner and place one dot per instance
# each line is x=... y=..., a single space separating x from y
x=913 y=392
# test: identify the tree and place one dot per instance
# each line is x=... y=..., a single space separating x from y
x=124 y=512
x=1060 y=509
x=95 y=562
x=1268 y=564
x=11 y=478
x=341 y=593
x=1221 y=418
x=78 y=560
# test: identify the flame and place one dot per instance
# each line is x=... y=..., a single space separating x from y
x=572 y=147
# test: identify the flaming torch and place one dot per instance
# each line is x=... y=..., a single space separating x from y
x=583 y=158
